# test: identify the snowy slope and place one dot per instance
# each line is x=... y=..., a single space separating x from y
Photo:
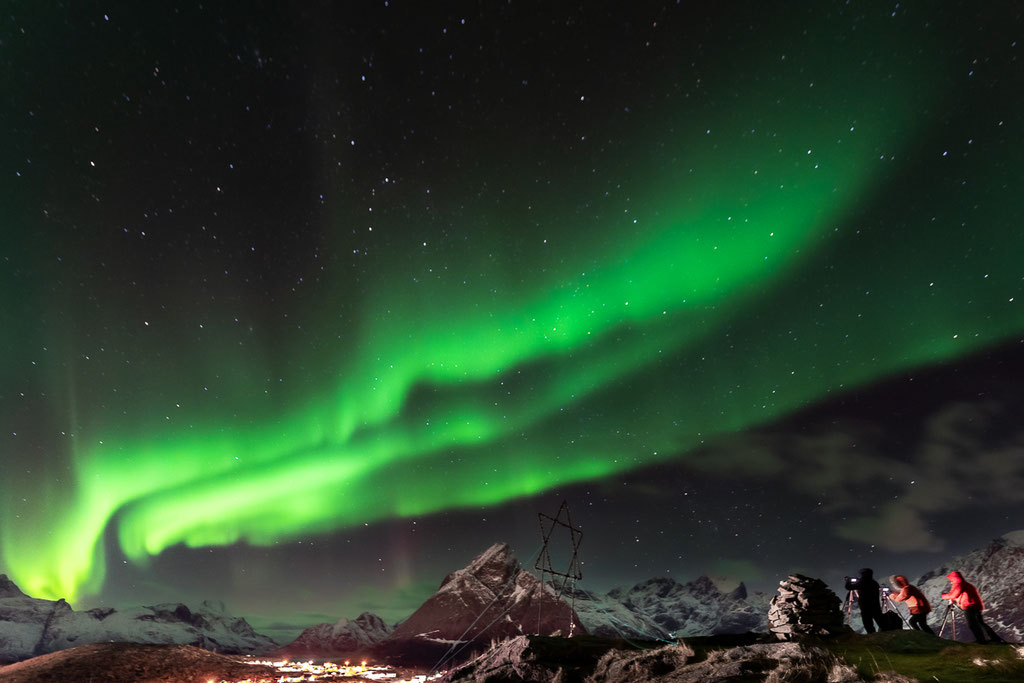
x=344 y=637
x=998 y=573
x=603 y=615
x=699 y=607
x=21 y=621
x=31 y=626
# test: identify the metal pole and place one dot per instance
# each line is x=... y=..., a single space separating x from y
x=945 y=618
x=849 y=607
x=894 y=609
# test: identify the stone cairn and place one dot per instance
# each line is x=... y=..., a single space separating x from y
x=804 y=607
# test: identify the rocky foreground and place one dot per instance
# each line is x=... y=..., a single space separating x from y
x=531 y=659
x=892 y=657
x=121 y=662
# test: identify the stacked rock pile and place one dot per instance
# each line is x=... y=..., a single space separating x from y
x=804 y=607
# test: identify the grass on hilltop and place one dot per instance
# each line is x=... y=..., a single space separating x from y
x=927 y=658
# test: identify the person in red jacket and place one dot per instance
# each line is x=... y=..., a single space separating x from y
x=965 y=596
x=916 y=602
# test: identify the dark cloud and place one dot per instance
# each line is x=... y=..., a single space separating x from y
x=883 y=479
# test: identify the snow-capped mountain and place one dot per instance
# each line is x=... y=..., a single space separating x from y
x=998 y=573
x=347 y=636
x=493 y=598
x=490 y=598
x=33 y=626
x=700 y=607
x=605 y=616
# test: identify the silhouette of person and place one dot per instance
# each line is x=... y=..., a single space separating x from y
x=916 y=602
x=866 y=589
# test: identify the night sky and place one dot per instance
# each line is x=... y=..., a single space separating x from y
x=306 y=304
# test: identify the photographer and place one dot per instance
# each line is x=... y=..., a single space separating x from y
x=916 y=602
x=965 y=596
x=866 y=589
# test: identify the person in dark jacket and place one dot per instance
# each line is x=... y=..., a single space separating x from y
x=965 y=596
x=916 y=602
x=866 y=589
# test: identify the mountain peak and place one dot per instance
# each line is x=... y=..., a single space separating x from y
x=8 y=589
x=663 y=605
x=1014 y=539
x=659 y=585
x=345 y=637
x=739 y=592
x=368 y=621
x=492 y=597
x=703 y=584
x=369 y=617
x=214 y=607
x=494 y=568
x=497 y=554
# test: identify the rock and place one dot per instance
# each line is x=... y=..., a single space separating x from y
x=8 y=589
x=804 y=606
x=529 y=659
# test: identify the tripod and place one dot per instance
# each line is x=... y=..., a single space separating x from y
x=949 y=613
x=892 y=606
x=848 y=606
x=852 y=595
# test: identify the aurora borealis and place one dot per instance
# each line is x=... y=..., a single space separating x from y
x=272 y=275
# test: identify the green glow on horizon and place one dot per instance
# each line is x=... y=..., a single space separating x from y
x=454 y=397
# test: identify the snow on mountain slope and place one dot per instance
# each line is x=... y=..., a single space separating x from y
x=344 y=637
x=32 y=626
x=998 y=573
x=605 y=616
x=694 y=608
x=492 y=597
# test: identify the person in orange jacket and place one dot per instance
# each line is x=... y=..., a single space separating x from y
x=916 y=602
x=965 y=596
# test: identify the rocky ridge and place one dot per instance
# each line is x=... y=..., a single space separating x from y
x=533 y=658
x=32 y=626
x=663 y=608
x=348 y=636
x=607 y=617
x=698 y=607
x=492 y=598
x=998 y=572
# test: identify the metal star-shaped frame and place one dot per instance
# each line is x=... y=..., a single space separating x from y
x=547 y=527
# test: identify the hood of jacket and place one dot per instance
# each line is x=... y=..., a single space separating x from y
x=898 y=581
x=955 y=577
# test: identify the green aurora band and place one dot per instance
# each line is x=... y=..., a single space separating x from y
x=706 y=315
